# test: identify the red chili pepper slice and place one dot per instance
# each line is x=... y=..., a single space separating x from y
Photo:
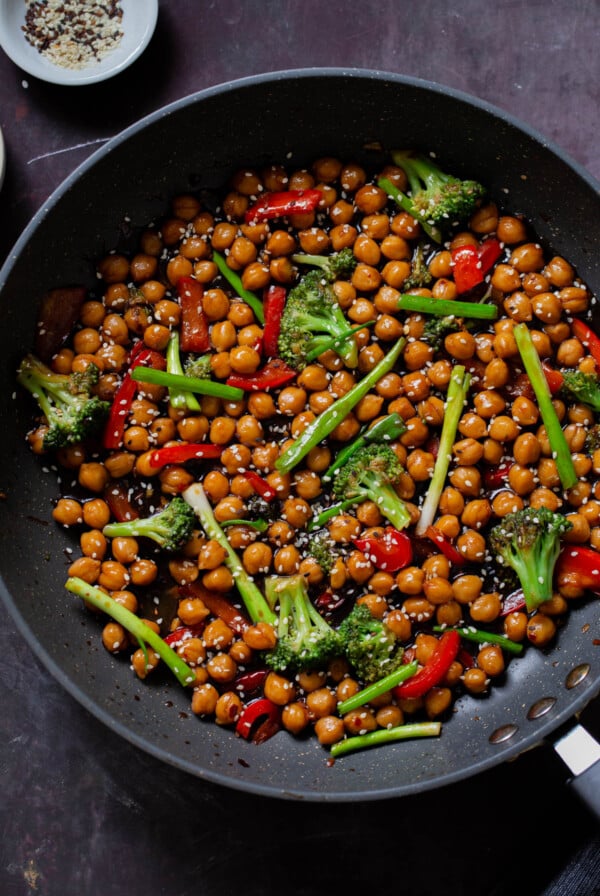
x=250 y=682
x=445 y=545
x=391 y=550
x=513 y=601
x=218 y=606
x=260 y=485
x=179 y=454
x=275 y=373
x=193 y=328
x=121 y=508
x=580 y=566
x=496 y=477
x=587 y=337
x=434 y=669
x=278 y=205
x=273 y=303
x=183 y=633
x=121 y=405
x=472 y=263
x=261 y=708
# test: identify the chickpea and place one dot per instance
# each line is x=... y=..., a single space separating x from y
x=490 y=660
x=541 y=629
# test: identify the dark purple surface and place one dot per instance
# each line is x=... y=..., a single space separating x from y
x=81 y=810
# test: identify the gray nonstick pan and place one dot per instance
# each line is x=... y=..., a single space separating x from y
x=196 y=144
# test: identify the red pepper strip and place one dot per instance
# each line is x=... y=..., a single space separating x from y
x=193 y=328
x=260 y=485
x=179 y=454
x=273 y=303
x=275 y=373
x=513 y=601
x=579 y=566
x=121 y=405
x=278 y=205
x=496 y=477
x=434 y=669
x=472 y=263
x=392 y=550
x=465 y=658
x=218 y=606
x=121 y=508
x=255 y=710
x=249 y=682
x=327 y=602
x=183 y=633
x=587 y=337
x=445 y=546
x=554 y=378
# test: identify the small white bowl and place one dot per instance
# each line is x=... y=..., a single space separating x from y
x=138 y=24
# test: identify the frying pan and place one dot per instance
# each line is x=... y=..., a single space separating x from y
x=195 y=144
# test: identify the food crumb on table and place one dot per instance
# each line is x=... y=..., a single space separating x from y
x=73 y=34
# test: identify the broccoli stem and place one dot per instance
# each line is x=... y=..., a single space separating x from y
x=134 y=625
x=391 y=506
x=326 y=422
x=443 y=307
x=336 y=342
x=404 y=202
x=143 y=374
x=384 y=430
x=385 y=736
x=478 y=636
x=178 y=398
x=455 y=399
x=235 y=281
x=378 y=688
x=534 y=370
x=332 y=511
x=253 y=599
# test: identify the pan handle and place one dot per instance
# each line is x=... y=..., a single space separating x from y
x=581 y=754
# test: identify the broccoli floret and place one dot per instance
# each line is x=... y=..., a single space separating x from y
x=583 y=387
x=435 y=198
x=420 y=276
x=72 y=413
x=437 y=328
x=313 y=322
x=320 y=548
x=304 y=639
x=170 y=527
x=370 y=647
x=198 y=366
x=592 y=439
x=528 y=541
x=340 y=264
x=370 y=474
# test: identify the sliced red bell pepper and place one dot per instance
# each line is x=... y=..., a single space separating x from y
x=275 y=373
x=218 y=606
x=140 y=356
x=445 y=545
x=250 y=682
x=472 y=263
x=496 y=477
x=260 y=485
x=587 y=337
x=554 y=377
x=391 y=550
x=581 y=566
x=179 y=454
x=121 y=509
x=279 y=205
x=273 y=304
x=193 y=327
x=434 y=669
x=252 y=713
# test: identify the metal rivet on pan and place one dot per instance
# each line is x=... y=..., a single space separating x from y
x=541 y=707
x=504 y=733
x=577 y=675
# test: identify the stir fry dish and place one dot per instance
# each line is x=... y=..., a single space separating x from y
x=329 y=443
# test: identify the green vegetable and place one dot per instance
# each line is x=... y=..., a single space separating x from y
x=420 y=276
x=254 y=601
x=327 y=421
x=198 y=366
x=371 y=474
x=134 y=625
x=304 y=639
x=436 y=199
x=72 y=413
x=170 y=527
x=582 y=387
x=178 y=398
x=386 y=429
x=534 y=370
x=259 y=525
x=371 y=648
x=458 y=388
x=332 y=267
x=235 y=281
x=479 y=636
x=385 y=736
x=437 y=328
x=528 y=541
x=143 y=374
x=443 y=307
x=372 y=691
x=321 y=549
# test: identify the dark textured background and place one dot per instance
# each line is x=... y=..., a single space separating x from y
x=83 y=812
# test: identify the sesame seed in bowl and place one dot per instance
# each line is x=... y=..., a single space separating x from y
x=71 y=42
